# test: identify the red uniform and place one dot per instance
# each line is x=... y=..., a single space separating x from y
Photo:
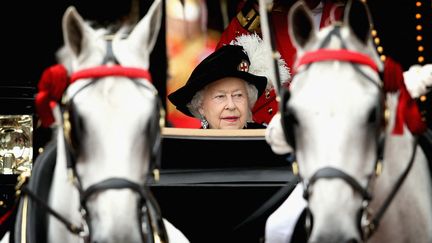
x=247 y=21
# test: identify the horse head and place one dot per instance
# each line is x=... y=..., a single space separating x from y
x=332 y=117
x=109 y=132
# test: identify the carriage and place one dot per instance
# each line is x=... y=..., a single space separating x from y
x=216 y=192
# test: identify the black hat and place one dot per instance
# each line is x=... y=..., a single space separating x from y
x=227 y=61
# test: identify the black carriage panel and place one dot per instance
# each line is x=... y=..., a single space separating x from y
x=211 y=183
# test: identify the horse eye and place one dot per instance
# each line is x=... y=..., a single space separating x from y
x=293 y=118
x=372 y=116
x=290 y=117
x=78 y=130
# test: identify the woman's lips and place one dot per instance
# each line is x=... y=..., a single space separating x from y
x=230 y=118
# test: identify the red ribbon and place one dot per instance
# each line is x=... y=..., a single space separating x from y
x=407 y=110
x=343 y=55
x=116 y=70
x=55 y=80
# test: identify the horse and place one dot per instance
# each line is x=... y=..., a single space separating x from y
x=351 y=137
x=106 y=142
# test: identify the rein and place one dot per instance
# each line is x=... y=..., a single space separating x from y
x=369 y=224
x=74 y=229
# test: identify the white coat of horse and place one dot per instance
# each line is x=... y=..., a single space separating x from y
x=334 y=121
x=106 y=133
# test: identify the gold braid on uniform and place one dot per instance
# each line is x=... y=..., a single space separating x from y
x=249 y=17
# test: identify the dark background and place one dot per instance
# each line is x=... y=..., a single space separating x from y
x=396 y=25
x=32 y=34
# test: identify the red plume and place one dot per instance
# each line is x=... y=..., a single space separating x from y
x=51 y=86
x=407 y=110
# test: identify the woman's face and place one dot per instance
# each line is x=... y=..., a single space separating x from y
x=225 y=103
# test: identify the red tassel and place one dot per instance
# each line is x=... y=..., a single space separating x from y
x=407 y=110
x=51 y=86
x=43 y=109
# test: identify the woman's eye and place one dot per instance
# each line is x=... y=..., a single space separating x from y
x=238 y=96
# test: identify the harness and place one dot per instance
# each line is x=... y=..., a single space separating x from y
x=148 y=213
x=368 y=222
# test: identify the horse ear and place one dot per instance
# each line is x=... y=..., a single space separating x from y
x=301 y=26
x=147 y=29
x=357 y=17
x=74 y=29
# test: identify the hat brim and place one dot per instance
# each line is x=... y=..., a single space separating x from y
x=183 y=96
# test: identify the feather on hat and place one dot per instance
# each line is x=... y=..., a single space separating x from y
x=256 y=49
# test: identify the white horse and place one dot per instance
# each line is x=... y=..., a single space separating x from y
x=107 y=138
x=339 y=122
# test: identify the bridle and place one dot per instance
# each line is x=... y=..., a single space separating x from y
x=148 y=212
x=367 y=222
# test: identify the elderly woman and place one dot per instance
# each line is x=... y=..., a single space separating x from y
x=221 y=91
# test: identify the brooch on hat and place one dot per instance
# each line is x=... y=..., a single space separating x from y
x=243 y=66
